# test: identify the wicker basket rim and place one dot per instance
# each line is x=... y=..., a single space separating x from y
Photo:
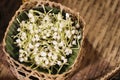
x=31 y=4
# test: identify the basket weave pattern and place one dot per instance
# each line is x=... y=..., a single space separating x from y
x=25 y=73
x=102 y=32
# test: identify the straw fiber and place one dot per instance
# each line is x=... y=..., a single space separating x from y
x=23 y=72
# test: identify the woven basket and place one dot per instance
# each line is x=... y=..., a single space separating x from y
x=23 y=72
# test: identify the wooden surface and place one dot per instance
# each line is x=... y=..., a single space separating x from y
x=102 y=49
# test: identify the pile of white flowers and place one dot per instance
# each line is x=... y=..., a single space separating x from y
x=46 y=39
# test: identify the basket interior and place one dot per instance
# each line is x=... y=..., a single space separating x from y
x=13 y=50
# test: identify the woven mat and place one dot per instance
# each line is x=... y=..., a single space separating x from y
x=102 y=51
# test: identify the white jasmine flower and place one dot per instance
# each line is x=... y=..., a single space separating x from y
x=73 y=31
x=76 y=32
x=33 y=39
x=44 y=37
x=55 y=29
x=74 y=36
x=28 y=49
x=18 y=29
x=70 y=45
x=44 y=58
x=77 y=25
x=52 y=63
x=65 y=61
x=56 y=47
x=68 y=34
x=39 y=30
x=23 y=34
x=54 y=57
x=52 y=28
x=59 y=16
x=62 y=57
x=34 y=53
x=60 y=29
x=51 y=24
x=30 y=27
x=47 y=18
x=43 y=65
x=36 y=58
x=22 y=23
x=74 y=42
x=31 y=46
x=57 y=50
x=48 y=34
x=46 y=49
x=37 y=44
x=50 y=54
x=35 y=50
x=21 y=55
x=37 y=62
x=79 y=37
x=32 y=19
x=54 y=42
x=55 y=35
x=68 y=51
x=18 y=40
x=21 y=59
x=25 y=58
x=58 y=37
x=36 y=31
x=59 y=63
x=61 y=44
x=67 y=15
x=37 y=37
x=31 y=31
x=62 y=24
x=46 y=62
x=27 y=54
x=45 y=31
x=21 y=51
x=30 y=15
x=43 y=54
